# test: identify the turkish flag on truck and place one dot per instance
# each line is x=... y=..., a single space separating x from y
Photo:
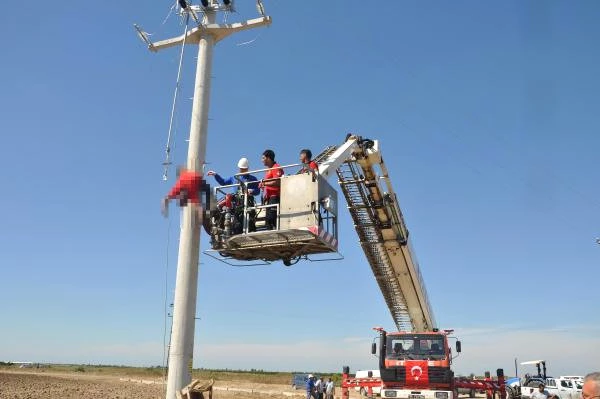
x=417 y=373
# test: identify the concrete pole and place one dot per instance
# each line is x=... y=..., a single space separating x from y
x=186 y=285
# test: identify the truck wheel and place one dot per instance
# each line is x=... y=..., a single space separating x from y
x=363 y=392
x=511 y=393
x=472 y=393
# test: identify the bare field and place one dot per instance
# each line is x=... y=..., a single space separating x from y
x=52 y=384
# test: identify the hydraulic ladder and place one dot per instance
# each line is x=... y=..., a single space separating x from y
x=383 y=235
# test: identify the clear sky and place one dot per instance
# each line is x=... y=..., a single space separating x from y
x=487 y=116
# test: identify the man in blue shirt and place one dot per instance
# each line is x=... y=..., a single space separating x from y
x=245 y=180
x=310 y=387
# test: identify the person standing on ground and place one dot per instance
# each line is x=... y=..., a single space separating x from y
x=319 y=388
x=271 y=184
x=591 y=386
x=310 y=387
x=323 y=388
x=329 y=389
x=541 y=393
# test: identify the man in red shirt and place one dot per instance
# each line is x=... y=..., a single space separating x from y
x=186 y=189
x=271 y=187
x=308 y=165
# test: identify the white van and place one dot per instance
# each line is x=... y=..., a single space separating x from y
x=365 y=374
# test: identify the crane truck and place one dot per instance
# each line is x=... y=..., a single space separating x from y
x=417 y=365
x=415 y=362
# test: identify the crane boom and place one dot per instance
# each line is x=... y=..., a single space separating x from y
x=381 y=229
x=307 y=225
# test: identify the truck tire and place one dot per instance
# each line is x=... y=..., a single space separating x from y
x=511 y=393
x=472 y=393
x=363 y=392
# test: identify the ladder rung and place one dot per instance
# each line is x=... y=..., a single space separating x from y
x=374 y=206
x=345 y=182
x=381 y=225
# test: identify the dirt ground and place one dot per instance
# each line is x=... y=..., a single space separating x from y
x=34 y=384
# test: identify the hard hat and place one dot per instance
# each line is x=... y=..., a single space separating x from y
x=311 y=376
x=243 y=163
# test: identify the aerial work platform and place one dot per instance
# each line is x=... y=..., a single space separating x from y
x=305 y=221
x=273 y=245
x=307 y=225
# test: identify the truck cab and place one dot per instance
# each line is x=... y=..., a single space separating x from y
x=416 y=365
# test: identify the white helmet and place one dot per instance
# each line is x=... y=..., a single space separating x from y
x=243 y=163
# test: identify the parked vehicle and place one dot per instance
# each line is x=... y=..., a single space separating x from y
x=364 y=374
x=562 y=387
x=572 y=377
x=299 y=381
x=418 y=366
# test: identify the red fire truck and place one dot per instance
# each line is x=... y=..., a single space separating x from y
x=417 y=366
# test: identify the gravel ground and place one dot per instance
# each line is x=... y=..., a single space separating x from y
x=47 y=385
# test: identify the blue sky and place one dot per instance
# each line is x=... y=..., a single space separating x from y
x=488 y=120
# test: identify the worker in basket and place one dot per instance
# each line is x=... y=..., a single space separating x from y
x=234 y=202
x=308 y=165
x=271 y=187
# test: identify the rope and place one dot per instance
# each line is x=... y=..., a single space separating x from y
x=167 y=161
x=165 y=354
x=169 y=14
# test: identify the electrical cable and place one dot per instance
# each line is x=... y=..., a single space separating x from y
x=170 y=135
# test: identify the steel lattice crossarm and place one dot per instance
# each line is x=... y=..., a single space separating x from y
x=380 y=225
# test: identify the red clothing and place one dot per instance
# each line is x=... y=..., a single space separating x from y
x=309 y=167
x=274 y=172
x=190 y=182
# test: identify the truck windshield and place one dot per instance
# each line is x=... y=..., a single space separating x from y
x=414 y=347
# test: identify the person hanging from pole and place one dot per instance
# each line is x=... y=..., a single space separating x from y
x=186 y=189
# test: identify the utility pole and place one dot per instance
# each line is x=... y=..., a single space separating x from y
x=205 y=35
